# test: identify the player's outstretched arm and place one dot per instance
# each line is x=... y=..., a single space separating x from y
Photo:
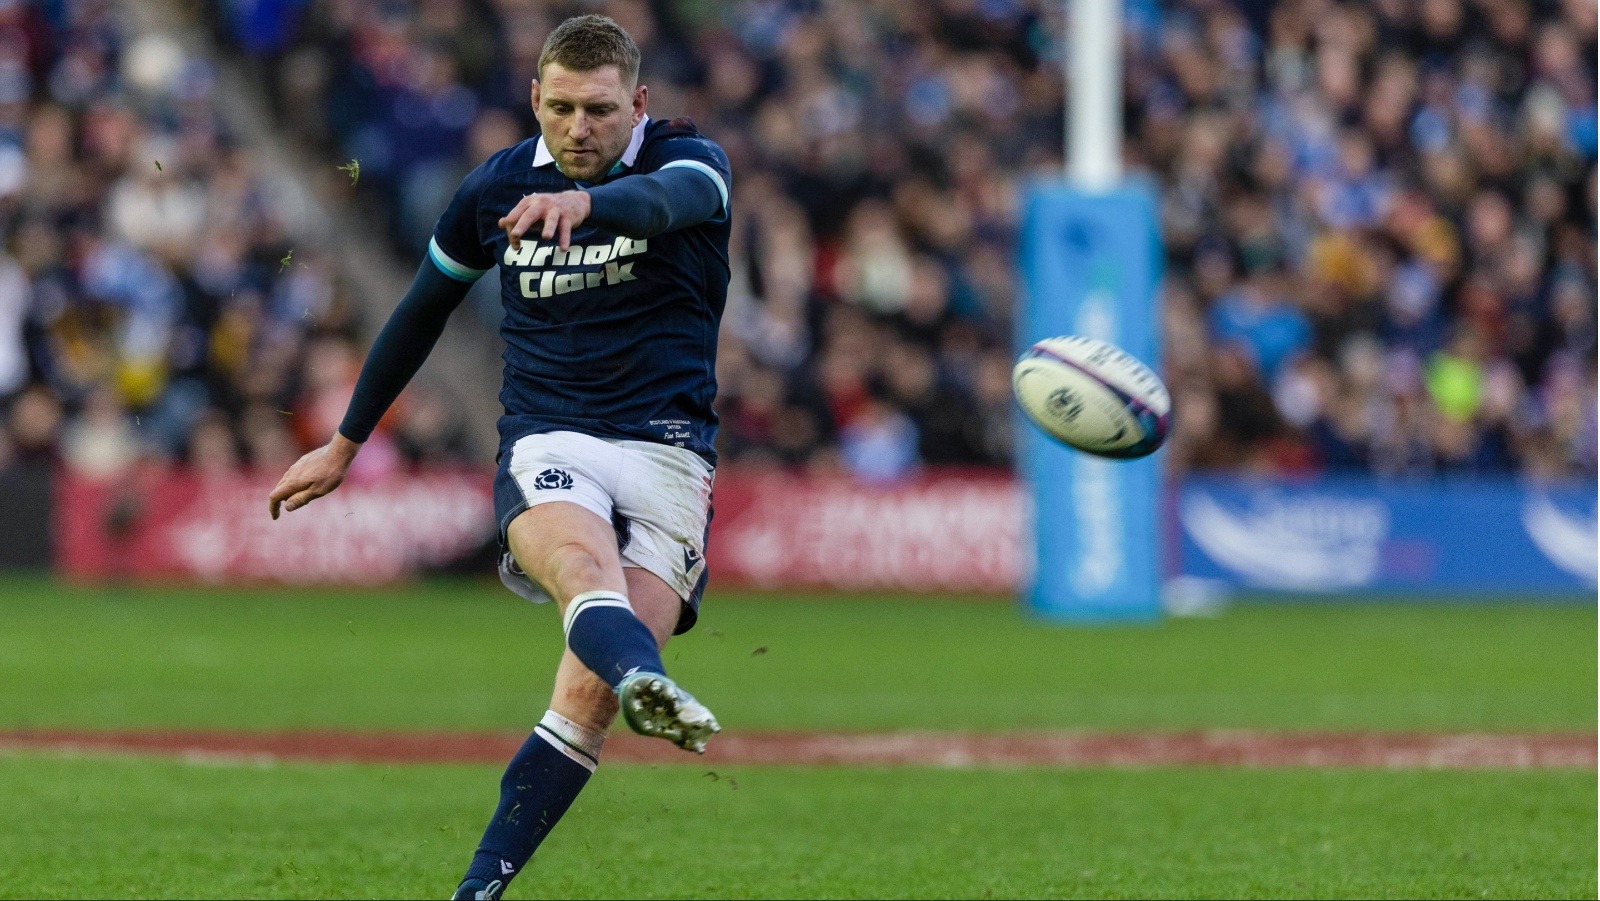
x=313 y=475
x=643 y=206
x=406 y=340
x=639 y=206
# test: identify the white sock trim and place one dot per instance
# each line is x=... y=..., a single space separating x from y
x=592 y=599
x=588 y=740
x=580 y=744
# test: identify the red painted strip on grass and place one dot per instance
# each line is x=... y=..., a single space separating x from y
x=1233 y=748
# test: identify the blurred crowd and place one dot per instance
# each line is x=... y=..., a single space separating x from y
x=1379 y=217
x=1380 y=220
x=161 y=295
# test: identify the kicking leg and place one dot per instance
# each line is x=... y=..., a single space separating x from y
x=572 y=553
x=615 y=620
x=651 y=703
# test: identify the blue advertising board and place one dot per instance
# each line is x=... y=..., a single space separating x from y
x=1091 y=264
x=1342 y=535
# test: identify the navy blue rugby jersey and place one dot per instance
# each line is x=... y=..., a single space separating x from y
x=615 y=337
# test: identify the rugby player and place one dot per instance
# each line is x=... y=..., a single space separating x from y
x=611 y=233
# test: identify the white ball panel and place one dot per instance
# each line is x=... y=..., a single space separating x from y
x=1116 y=367
x=1073 y=406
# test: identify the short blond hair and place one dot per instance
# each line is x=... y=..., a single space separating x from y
x=587 y=43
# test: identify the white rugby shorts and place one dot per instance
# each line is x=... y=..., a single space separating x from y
x=657 y=498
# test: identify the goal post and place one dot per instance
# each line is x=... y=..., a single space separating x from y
x=1094 y=101
x=1091 y=264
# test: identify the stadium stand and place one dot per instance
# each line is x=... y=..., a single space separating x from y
x=161 y=294
x=1379 y=216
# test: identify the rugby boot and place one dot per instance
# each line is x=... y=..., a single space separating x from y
x=654 y=705
x=478 y=890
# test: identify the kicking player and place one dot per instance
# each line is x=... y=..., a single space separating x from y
x=611 y=234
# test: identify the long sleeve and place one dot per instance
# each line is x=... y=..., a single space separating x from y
x=406 y=340
x=643 y=206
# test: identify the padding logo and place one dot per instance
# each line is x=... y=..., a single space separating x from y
x=1291 y=541
x=553 y=479
x=1065 y=404
x=1566 y=538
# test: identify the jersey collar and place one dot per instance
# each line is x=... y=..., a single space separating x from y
x=542 y=156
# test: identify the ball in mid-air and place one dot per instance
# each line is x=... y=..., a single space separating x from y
x=1092 y=395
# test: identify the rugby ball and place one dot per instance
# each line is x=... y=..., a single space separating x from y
x=1092 y=395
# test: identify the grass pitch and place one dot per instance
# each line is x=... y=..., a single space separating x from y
x=469 y=655
x=132 y=827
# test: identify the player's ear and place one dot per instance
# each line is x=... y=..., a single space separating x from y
x=641 y=99
x=533 y=95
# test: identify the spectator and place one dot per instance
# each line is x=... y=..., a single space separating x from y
x=101 y=442
x=880 y=445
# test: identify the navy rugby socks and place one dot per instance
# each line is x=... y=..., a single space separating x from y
x=603 y=632
x=540 y=784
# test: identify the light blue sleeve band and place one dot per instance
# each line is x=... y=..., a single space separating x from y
x=450 y=267
x=696 y=165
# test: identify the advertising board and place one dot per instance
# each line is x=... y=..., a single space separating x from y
x=947 y=530
x=159 y=524
x=1340 y=535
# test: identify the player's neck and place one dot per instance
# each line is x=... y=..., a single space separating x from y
x=616 y=168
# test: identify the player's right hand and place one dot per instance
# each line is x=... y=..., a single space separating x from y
x=313 y=475
x=561 y=213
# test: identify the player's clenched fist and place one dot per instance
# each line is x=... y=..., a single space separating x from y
x=561 y=213
x=313 y=475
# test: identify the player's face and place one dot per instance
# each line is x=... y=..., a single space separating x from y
x=587 y=118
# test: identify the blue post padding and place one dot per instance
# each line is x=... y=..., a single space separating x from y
x=1091 y=265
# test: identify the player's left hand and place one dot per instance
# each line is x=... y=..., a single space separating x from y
x=561 y=213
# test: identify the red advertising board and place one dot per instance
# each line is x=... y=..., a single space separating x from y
x=950 y=530
x=168 y=525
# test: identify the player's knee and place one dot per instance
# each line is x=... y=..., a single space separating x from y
x=572 y=563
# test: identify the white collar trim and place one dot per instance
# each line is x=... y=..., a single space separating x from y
x=542 y=156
